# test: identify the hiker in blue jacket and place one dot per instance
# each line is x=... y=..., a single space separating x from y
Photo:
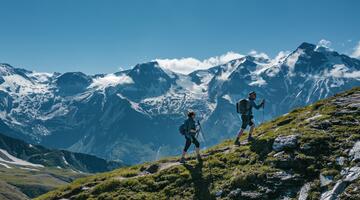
x=190 y=136
x=247 y=117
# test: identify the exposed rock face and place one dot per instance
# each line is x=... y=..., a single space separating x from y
x=355 y=152
x=349 y=175
x=283 y=142
x=304 y=192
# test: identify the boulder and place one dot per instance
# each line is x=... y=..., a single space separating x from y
x=219 y=193
x=283 y=176
x=235 y=194
x=251 y=195
x=325 y=180
x=152 y=168
x=340 y=160
x=285 y=142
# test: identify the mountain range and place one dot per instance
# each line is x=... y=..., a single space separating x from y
x=28 y=170
x=133 y=115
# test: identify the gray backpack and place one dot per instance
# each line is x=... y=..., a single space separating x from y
x=243 y=106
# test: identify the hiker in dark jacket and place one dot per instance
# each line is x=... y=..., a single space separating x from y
x=190 y=136
x=247 y=119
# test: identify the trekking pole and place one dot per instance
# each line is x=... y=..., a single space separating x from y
x=200 y=131
x=263 y=111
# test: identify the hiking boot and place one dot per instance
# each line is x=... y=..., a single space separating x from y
x=250 y=138
x=182 y=160
x=237 y=143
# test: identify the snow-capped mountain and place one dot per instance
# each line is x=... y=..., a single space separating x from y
x=133 y=115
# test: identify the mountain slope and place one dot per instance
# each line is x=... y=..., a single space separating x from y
x=310 y=153
x=101 y=114
x=30 y=170
x=42 y=156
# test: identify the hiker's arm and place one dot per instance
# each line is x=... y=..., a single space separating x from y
x=253 y=104
x=258 y=106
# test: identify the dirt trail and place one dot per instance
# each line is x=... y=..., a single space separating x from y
x=167 y=165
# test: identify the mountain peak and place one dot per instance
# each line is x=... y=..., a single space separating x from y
x=148 y=69
x=147 y=65
x=307 y=46
x=6 y=69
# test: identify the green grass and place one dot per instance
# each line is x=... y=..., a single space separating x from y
x=251 y=167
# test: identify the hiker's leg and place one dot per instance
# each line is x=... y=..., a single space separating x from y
x=240 y=133
x=237 y=142
x=187 y=145
x=244 y=124
x=243 y=127
x=252 y=127
x=197 y=145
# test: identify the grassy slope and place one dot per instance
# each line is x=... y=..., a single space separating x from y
x=252 y=167
x=9 y=192
x=34 y=183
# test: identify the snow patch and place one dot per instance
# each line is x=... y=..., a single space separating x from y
x=66 y=163
x=5 y=165
x=29 y=169
x=259 y=82
x=134 y=105
x=228 y=69
x=227 y=97
x=16 y=161
x=293 y=58
x=41 y=77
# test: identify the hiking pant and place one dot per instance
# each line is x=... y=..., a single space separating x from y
x=191 y=138
x=247 y=120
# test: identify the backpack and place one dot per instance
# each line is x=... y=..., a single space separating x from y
x=242 y=106
x=182 y=129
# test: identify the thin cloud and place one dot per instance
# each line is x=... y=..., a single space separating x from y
x=188 y=65
x=255 y=54
x=356 y=52
x=324 y=43
x=111 y=80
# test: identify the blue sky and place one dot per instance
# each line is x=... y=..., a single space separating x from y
x=102 y=36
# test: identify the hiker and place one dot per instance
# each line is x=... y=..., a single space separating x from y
x=245 y=108
x=190 y=131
